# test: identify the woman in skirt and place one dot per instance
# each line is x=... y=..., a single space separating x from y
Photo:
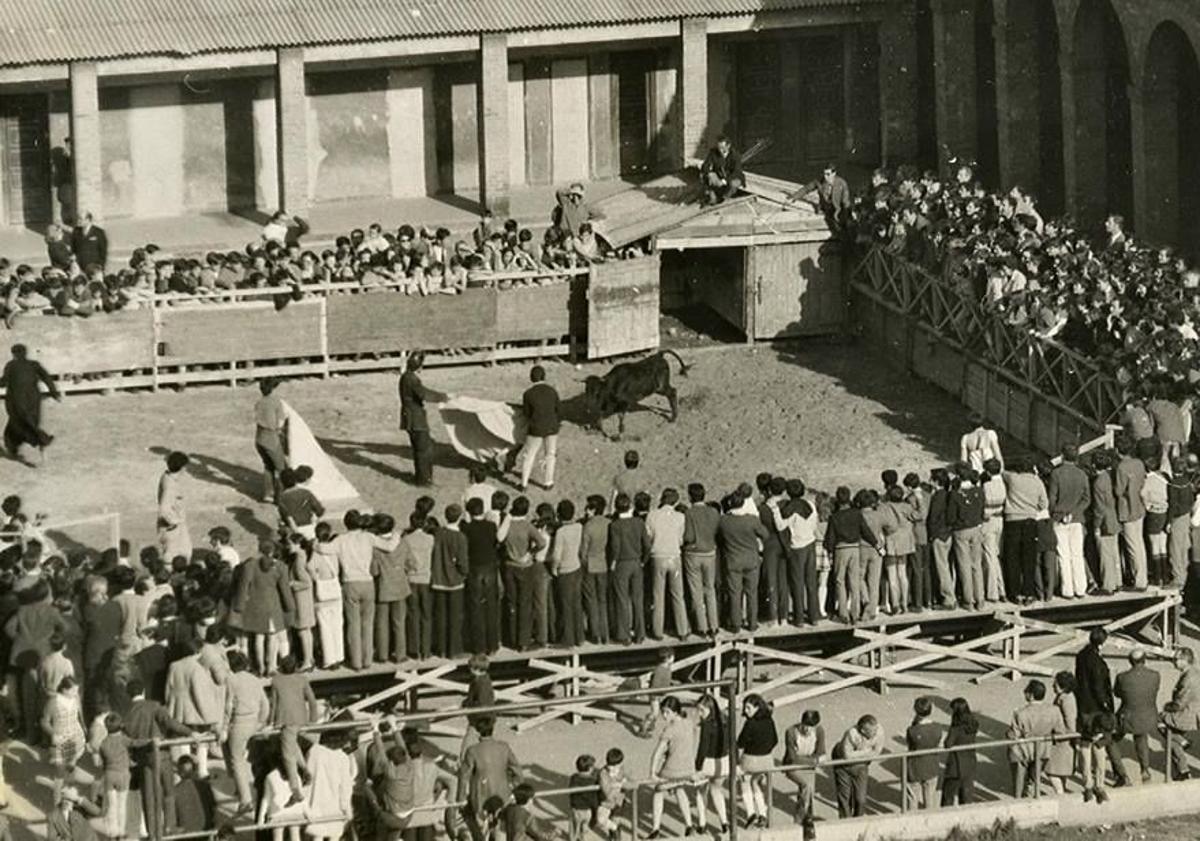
x=756 y=746
x=62 y=721
x=712 y=762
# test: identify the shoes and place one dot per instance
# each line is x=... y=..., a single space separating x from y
x=724 y=829
x=1087 y=795
x=294 y=800
x=1101 y=796
x=654 y=833
x=1145 y=776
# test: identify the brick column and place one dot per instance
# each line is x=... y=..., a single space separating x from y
x=693 y=34
x=291 y=114
x=954 y=78
x=898 y=84
x=85 y=138
x=494 y=165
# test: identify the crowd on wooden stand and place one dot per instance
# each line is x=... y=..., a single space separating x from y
x=79 y=281
x=106 y=652
x=1129 y=305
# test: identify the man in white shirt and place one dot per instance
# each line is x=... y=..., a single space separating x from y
x=796 y=519
x=665 y=526
x=355 y=550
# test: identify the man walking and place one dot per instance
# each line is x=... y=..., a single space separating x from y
x=22 y=380
x=541 y=404
x=413 y=420
x=173 y=538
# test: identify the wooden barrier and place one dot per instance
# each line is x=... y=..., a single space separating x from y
x=122 y=341
x=535 y=313
x=215 y=334
x=386 y=321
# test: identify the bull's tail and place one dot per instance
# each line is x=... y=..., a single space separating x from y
x=683 y=366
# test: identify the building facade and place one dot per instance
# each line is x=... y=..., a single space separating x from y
x=172 y=108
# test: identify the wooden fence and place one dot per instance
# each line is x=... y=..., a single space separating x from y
x=1040 y=392
x=241 y=334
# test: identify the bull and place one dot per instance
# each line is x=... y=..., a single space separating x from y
x=627 y=384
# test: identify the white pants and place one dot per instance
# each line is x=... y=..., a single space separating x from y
x=1072 y=569
x=535 y=444
x=1134 y=543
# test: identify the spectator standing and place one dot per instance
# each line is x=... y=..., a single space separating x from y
x=701 y=522
x=1096 y=745
x=958 y=774
x=613 y=784
x=979 y=445
x=1106 y=525
x=940 y=537
x=62 y=722
x=899 y=546
x=330 y=800
x=995 y=493
x=797 y=522
x=845 y=532
x=89 y=243
x=628 y=550
x=247 y=711
x=628 y=479
x=265 y=602
x=712 y=761
x=863 y=741
x=173 y=538
x=740 y=533
x=541 y=405
x=1182 y=714
x=571 y=210
x=488 y=769
x=447 y=583
x=194 y=699
x=833 y=199
x=665 y=527
x=565 y=565
x=146 y=720
x=672 y=765
x=482 y=592
x=1062 y=762
x=413 y=419
x=593 y=554
x=1026 y=497
x=923 y=735
x=1137 y=690
x=583 y=804
x=421 y=538
x=327 y=597
x=1068 y=497
x=919 y=579
x=1094 y=693
x=1035 y=720
x=1131 y=512
x=756 y=745
x=1181 y=498
x=355 y=550
x=964 y=516
x=391 y=583
x=113 y=751
x=293 y=705
x=1156 y=499
x=804 y=744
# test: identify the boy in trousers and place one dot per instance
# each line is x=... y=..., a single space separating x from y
x=447 y=582
x=593 y=556
x=923 y=734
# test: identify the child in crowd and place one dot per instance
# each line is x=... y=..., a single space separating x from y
x=113 y=755
x=613 y=786
x=520 y=824
x=293 y=705
x=62 y=722
x=583 y=804
x=923 y=771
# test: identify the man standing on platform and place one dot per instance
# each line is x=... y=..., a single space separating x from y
x=1128 y=479
x=413 y=420
x=721 y=173
x=1069 y=496
x=22 y=380
x=541 y=404
x=833 y=199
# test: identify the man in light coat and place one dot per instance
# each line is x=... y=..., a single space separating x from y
x=489 y=768
x=1182 y=713
x=194 y=699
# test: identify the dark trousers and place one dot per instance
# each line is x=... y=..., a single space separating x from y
x=850 y=781
x=158 y=796
x=391 y=631
x=521 y=600
x=418 y=833
x=483 y=612
x=1020 y=556
x=448 y=622
x=958 y=790
x=1047 y=575
x=570 y=607
x=595 y=602
x=420 y=621
x=628 y=590
x=422 y=455
x=920 y=580
x=802 y=581
x=742 y=581
x=774 y=573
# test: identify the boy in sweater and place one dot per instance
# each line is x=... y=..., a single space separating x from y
x=524 y=596
x=613 y=784
x=447 y=581
x=923 y=771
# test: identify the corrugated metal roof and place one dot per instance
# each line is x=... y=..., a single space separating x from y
x=51 y=31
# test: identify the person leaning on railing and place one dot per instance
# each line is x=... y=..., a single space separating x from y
x=804 y=744
x=863 y=741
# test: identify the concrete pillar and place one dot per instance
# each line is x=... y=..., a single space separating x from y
x=291 y=111
x=898 y=83
x=693 y=35
x=494 y=167
x=1146 y=222
x=1018 y=121
x=954 y=78
x=156 y=137
x=1070 y=124
x=85 y=137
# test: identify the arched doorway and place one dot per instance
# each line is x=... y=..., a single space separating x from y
x=1171 y=103
x=1103 y=146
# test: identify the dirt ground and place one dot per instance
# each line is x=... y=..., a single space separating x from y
x=820 y=411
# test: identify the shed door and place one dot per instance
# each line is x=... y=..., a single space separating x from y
x=623 y=304
x=26 y=160
x=798 y=289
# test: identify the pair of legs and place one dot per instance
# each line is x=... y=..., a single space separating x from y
x=658 y=803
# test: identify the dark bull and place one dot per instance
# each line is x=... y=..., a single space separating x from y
x=629 y=383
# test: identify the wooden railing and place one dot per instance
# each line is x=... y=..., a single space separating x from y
x=939 y=313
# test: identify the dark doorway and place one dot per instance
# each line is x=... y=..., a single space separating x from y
x=987 y=136
x=634 y=70
x=927 y=151
x=26 y=125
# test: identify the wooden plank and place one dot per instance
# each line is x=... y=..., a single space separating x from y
x=388 y=321
x=203 y=335
x=569 y=114
x=975 y=393
x=119 y=341
x=997 y=401
x=623 y=307
x=1043 y=431
x=955 y=653
x=603 y=140
x=538 y=110
x=1018 y=414
x=533 y=312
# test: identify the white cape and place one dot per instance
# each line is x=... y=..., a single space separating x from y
x=327 y=484
x=483 y=430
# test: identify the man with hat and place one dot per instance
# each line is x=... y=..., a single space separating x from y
x=413 y=420
x=571 y=211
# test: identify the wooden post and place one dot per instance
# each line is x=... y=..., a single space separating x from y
x=156 y=322
x=324 y=337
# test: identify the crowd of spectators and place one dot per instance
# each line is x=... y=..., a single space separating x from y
x=1129 y=305
x=79 y=281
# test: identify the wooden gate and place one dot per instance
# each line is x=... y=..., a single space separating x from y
x=797 y=289
x=623 y=303
x=26 y=159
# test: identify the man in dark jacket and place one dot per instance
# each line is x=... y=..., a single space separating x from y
x=1094 y=695
x=414 y=421
x=1138 y=690
x=740 y=534
x=628 y=551
x=89 y=243
x=22 y=379
x=541 y=404
x=483 y=566
x=721 y=173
